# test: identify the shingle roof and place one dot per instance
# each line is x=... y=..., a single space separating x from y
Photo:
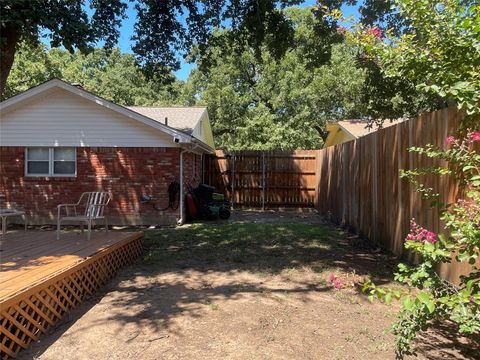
x=358 y=127
x=181 y=118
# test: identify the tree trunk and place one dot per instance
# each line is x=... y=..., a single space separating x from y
x=322 y=131
x=8 y=46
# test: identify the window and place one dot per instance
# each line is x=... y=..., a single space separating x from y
x=51 y=161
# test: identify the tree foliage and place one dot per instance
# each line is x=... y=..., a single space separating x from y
x=107 y=73
x=438 y=53
x=271 y=103
x=162 y=28
x=65 y=23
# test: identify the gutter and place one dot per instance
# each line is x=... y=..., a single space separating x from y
x=200 y=144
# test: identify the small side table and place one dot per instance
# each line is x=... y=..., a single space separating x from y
x=5 y=213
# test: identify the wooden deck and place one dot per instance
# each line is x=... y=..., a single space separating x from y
x=43 y=278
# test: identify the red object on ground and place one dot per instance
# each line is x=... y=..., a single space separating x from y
x=192 y=210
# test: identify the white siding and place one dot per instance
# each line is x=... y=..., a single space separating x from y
x=64 y=119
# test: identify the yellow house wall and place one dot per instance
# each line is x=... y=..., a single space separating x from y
x=338 y=137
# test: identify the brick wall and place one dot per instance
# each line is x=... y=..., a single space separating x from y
x=192 y=169
x=126 y=172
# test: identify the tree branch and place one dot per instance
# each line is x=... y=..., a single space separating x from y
x=8 y=47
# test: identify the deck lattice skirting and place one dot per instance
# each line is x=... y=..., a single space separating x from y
x=28 y=314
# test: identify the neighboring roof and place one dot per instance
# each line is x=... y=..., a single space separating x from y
x=182 y=136
x=358 y=128
x=181 y=118
x=347 y=130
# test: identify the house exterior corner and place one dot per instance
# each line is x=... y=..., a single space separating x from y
x=127 y=173
x=57 y=142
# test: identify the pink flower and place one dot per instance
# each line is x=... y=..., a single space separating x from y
x=417 y=233
x=449 y=140
x=475 y=136
x=431 y=237
x=376 y=32
x=332 y=278
x=342 y=30
x=337 y=284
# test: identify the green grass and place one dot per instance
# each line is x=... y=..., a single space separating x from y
x=257 y=247
x=238 y=242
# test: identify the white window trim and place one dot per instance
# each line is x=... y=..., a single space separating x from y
x=50 y=162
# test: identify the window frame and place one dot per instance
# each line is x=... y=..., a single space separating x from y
x=51 y=161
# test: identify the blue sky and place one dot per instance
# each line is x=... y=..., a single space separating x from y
x=127 y=29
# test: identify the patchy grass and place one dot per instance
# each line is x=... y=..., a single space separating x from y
x=239 y=291
x=267 y=249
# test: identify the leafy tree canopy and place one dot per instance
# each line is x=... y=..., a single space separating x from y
x=110 y=74
x=438 y=54
x=279 y=104
x=270 y=81
x=162 y=28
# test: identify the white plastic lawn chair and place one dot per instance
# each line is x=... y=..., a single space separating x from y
x=93 y=205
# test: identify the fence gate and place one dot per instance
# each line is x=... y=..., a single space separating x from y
x=264 y=179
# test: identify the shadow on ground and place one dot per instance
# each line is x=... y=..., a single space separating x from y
x=192 y=268
x=443 y=342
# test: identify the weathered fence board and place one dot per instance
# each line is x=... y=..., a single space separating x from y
x=264 y=178
x=358 y=182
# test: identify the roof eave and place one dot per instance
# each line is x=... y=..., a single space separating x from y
x=205 y=147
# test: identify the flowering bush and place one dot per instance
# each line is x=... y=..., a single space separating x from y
x=438 y=51
x=375 y=32
x=417 y=233
x=336 y=283
x=430 y=297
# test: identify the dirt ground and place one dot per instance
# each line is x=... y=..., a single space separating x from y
x=254 y=288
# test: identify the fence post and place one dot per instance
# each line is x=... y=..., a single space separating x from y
x=375 y=174
x=263 y=180
x=233 y=179
x=317 y=179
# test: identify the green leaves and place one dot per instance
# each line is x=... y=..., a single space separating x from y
x=408 y=303
x=110 y=74
x=384 y=294
x=439 y=53
x=426 y=299
x=272 y=103
x=475 y=180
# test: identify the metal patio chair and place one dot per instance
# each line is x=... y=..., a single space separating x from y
x=89 y=208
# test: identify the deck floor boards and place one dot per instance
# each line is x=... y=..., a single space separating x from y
x=28 y=257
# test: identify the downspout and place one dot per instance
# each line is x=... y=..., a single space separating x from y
x=181 y=220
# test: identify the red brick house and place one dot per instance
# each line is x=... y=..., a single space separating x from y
x=58 y=140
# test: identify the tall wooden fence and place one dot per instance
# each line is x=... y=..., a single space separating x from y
x=264 y=178
x=359 y=182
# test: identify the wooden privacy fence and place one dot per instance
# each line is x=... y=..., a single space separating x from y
x=264 y=178
x=359 y=182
